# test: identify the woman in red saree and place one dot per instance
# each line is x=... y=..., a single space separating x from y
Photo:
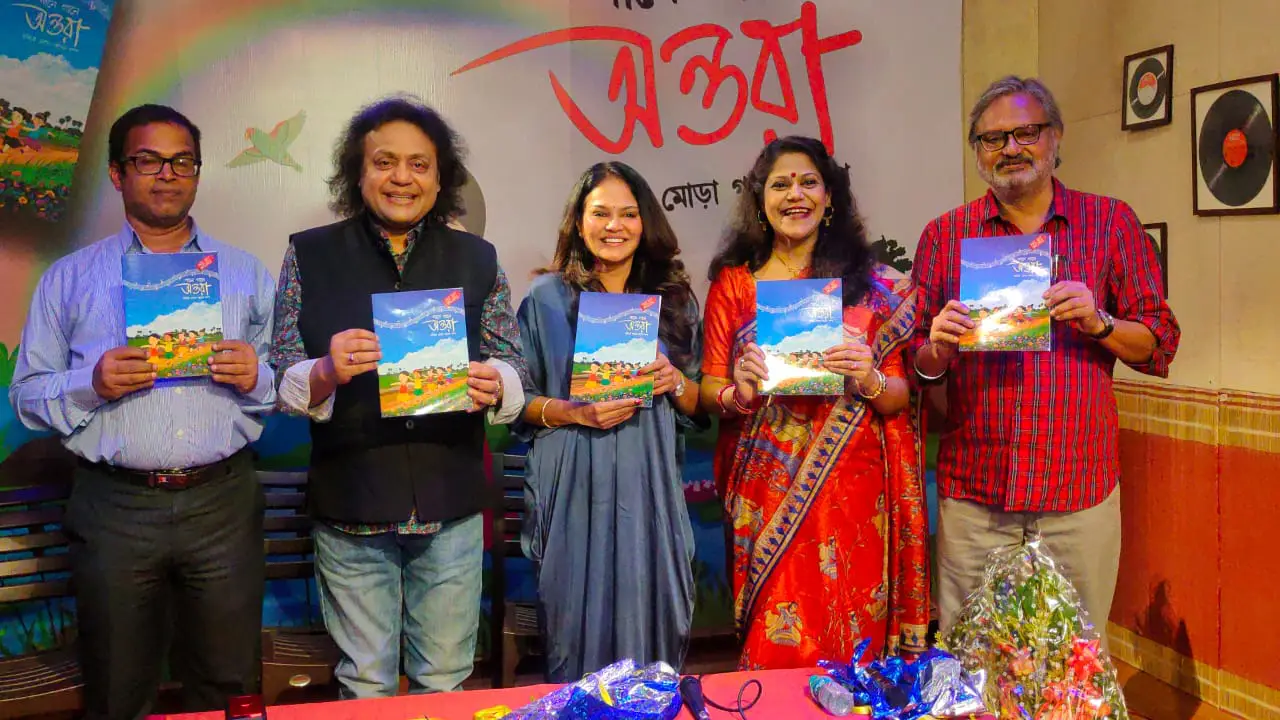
x=824 y=494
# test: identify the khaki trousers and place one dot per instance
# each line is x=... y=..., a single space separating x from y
x=1085 y=545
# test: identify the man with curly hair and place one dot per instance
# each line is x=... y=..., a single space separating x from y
x=399 y=538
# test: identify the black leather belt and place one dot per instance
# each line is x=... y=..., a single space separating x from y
x=174 y=479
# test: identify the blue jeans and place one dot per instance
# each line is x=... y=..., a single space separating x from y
x=390 y=598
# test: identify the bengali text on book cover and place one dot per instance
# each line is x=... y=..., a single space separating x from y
x=173 y=310
x=423 y=337
x=796 y=320
x=1003 y=280
x=617 y=337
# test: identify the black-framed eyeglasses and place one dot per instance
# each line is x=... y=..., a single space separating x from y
x=148 y=164
x=1023 y=135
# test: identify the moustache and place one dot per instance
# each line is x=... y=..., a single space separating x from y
x=1014 y=161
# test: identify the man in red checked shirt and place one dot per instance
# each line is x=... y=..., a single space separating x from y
x=1032 y=436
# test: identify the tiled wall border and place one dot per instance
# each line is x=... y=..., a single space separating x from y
x=1216 y=687
x=1230 y=418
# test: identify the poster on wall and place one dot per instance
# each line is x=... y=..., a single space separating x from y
x=1148 y=89
x=1233 y=147
x=49 y=56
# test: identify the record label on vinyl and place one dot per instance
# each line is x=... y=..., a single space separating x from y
x=1236 y=147
x=1148 y=88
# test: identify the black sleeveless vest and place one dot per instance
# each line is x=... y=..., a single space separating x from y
x=365 y=468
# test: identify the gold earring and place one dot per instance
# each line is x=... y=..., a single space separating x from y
x=826 y=217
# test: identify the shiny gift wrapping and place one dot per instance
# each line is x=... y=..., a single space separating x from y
x=1024 y=627
x=933 y=685
x=620 y=691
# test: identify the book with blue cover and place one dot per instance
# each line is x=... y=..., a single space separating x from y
x=796 y=320
x=617 y=337
x=1003 y=280
x=423 y=337
x=173 y=310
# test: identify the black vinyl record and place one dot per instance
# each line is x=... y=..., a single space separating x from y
x=1236 y=148
x=1138 y=88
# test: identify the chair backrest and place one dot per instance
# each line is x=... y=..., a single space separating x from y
x=32 y=544
x=508 y=476
x=286 y=526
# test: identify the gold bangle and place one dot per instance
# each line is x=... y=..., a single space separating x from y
x=884 y=382
x=542 y=414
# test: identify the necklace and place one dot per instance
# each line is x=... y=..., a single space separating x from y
x=794 y=272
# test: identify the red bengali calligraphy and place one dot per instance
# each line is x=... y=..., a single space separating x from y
x=770 y=38
x=716 y=74
x=812 y=47
x=624 y=73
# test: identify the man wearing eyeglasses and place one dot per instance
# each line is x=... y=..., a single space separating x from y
x=165 y=516
x=1031 y=442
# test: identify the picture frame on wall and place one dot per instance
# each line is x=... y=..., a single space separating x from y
x=1233 y=147
x=1147 y=89
x=1158 y=234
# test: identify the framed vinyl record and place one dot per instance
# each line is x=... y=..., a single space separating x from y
x=1147 y=86
x=1233 y=147
x=1158 y=234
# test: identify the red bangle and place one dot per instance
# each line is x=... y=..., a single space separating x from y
x=720 y=400
x=741 y=408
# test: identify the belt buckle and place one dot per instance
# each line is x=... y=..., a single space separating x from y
x=168 y=480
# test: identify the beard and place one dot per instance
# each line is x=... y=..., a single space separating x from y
x=1017 y=181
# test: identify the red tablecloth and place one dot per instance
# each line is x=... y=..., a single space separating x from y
x=785 y=695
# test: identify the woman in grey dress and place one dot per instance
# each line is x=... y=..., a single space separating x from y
x=606 y=523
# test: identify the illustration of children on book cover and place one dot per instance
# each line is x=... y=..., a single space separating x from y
x=1003 y=281
x=173 y=310
x=49 y=57
x=796 y=320
x=617 y=337
x=423 y=336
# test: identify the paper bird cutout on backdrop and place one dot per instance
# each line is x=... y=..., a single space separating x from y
x=273 y=146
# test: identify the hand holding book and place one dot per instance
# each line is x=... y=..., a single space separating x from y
x=748 y=372
x=234 y=363
x=665 y=375
x=945 y=332
x=851 y=359
x=1072 y=302
x=484 y=386
x=604 y=414
x=353 y=352
x=121 y=371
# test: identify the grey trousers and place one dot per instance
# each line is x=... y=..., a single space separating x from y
x=1085 y=545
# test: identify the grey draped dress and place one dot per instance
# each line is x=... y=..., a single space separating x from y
x=606 y=523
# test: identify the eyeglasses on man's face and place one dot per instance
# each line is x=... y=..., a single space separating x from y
x=1023 y=135
x=148 y=164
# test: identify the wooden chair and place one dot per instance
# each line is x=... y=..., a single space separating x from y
x=520 y=631
x=297 y=663
x=34 y=573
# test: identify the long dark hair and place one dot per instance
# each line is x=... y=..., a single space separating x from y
x=841 y=250
x=655 y=268
x=348 y=155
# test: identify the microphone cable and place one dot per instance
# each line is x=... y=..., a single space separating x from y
x=741 y=705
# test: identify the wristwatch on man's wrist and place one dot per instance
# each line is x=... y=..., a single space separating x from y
x=1108 y=325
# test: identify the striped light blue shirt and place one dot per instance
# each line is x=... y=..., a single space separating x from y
x=77 y=314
